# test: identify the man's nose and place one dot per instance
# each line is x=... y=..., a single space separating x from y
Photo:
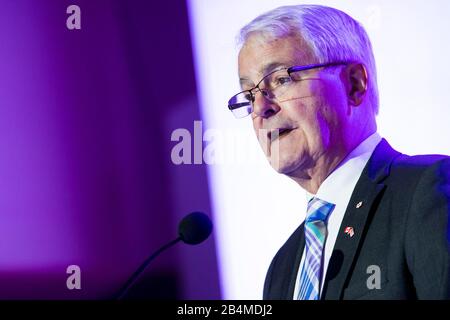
x=264 y=107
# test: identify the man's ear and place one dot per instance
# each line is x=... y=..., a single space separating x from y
x=356 y=78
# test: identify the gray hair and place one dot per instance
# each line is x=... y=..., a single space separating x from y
x=332 y=35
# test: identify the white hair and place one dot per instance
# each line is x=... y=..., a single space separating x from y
x=333 y=36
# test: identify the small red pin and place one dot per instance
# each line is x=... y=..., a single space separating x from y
x=349 y=231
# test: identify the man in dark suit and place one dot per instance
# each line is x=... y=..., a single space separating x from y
x=377 y=221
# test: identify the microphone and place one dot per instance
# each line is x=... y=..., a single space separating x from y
x=192 y=229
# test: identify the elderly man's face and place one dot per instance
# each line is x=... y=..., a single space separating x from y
x=311 y=123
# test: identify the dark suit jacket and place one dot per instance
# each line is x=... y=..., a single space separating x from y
x=401 y=227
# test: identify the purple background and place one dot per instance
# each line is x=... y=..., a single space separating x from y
x=86 y=176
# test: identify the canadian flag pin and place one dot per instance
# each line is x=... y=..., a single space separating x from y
x=349 y=231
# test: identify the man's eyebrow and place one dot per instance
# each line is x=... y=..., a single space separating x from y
x=244 y=80
x=266 y=69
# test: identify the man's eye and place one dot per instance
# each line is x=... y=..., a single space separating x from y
x=282 y=81
x=249 y=96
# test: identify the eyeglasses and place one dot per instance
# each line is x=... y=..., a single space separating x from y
x=276 y=85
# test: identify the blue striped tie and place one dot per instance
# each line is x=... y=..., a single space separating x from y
x=315 y=235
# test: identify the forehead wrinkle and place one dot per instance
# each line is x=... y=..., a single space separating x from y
x=298 y=53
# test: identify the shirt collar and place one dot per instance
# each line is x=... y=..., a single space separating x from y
x=345 y=176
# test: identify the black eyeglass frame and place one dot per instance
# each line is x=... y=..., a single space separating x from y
x=290 y=70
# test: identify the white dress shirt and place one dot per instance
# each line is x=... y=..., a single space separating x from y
x=337 y=188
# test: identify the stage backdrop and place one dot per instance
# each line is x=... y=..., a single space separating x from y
x=257 y=209
x=86 y=173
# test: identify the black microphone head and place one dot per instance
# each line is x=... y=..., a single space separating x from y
x=195 y=228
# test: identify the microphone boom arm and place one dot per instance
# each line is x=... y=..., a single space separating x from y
x=123 y=291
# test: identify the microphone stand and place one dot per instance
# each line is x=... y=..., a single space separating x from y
x=123 y=291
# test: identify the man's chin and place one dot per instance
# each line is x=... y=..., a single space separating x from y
x=290 y=167
x=283 y=166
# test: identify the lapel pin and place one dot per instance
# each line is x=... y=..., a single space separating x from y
x=349 y=231
x=359 y=205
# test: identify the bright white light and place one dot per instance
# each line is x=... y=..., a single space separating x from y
x=256 y=209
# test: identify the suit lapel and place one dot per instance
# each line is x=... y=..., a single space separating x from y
x=362 y=201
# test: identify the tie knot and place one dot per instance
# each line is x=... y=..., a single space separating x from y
x=318 y=210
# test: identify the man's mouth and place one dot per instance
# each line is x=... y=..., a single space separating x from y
x=278 y=133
